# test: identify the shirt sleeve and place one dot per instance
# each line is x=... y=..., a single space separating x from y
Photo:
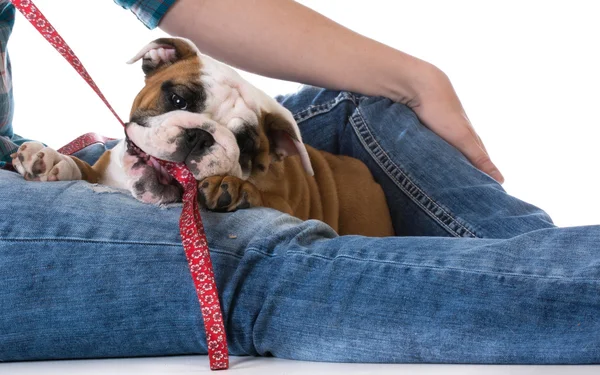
x=150 y=12
x=7 y=144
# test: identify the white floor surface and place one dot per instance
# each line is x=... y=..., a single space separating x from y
x=269 y=366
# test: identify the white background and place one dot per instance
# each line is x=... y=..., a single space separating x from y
x=526 y=72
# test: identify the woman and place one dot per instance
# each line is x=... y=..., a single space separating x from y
x=474 y=276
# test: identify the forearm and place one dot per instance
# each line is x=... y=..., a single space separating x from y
x=285 y=40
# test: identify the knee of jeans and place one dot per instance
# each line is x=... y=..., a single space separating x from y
x=305 y=97
x=262 y=229
x=283 y=233
x=384 y=111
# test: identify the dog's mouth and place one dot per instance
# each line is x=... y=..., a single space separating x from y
x=162 y=174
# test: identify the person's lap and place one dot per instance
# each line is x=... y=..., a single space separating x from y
x=88 y=273
x=432 y=189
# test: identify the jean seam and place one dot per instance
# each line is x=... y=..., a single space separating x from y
x=85 y=240
x=434 y=268
x=314 y=110
x=112 y=242
x=404 y=183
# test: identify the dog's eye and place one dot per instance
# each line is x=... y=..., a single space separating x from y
x=178 y=102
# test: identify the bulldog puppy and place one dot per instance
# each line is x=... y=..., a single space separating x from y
x=243 y=147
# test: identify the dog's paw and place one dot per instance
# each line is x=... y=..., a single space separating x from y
x=37 y=162
x=228 y=193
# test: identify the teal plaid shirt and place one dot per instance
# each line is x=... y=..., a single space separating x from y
x=8 y=140
x=149 y=12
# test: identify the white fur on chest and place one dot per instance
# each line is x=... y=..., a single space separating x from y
x=114 y=175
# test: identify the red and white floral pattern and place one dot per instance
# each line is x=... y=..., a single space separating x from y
x=82 y=142
x=198 y=256
x=190 y=224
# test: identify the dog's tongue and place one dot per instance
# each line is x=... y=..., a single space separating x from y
x=163 y=175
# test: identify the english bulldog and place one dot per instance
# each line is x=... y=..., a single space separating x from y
x=243 y=147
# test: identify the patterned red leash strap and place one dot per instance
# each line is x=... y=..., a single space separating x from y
x=190 y=223
x=198 y=256
x=39 y=21
x=82 y=142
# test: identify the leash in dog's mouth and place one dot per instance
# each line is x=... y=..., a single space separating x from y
x=164 y=177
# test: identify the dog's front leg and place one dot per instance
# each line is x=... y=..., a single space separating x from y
x=228 y=193
x=37 y=162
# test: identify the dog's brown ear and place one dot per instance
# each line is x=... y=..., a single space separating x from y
x=164 y=52
x=284 y=137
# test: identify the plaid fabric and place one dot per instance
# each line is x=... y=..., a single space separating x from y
x=8 y=141
x=150 y=12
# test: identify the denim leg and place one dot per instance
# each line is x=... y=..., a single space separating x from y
x=87 y=273
x=90 y=272
x=533 y=298
x=431 y=188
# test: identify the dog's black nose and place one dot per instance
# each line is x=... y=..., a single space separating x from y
x=198 y=139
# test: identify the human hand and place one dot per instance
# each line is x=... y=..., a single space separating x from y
x=436 y=104
x=292 y=30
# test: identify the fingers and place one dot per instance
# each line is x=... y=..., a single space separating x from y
x=485 y=164
x=447 y=119
x=438 y=108
x=460 y=134
x=472 y=147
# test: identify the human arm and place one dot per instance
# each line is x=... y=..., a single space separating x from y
x=286 y=40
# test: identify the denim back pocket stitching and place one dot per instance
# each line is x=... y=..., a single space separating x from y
x=401 y=179
x=318 y=109
x=416 y=194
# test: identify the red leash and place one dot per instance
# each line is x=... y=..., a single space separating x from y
x=191 y=229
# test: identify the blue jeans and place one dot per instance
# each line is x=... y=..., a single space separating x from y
x=474 y=275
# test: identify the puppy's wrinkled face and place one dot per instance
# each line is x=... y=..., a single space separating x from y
x=196 y=110
x=167 y=119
